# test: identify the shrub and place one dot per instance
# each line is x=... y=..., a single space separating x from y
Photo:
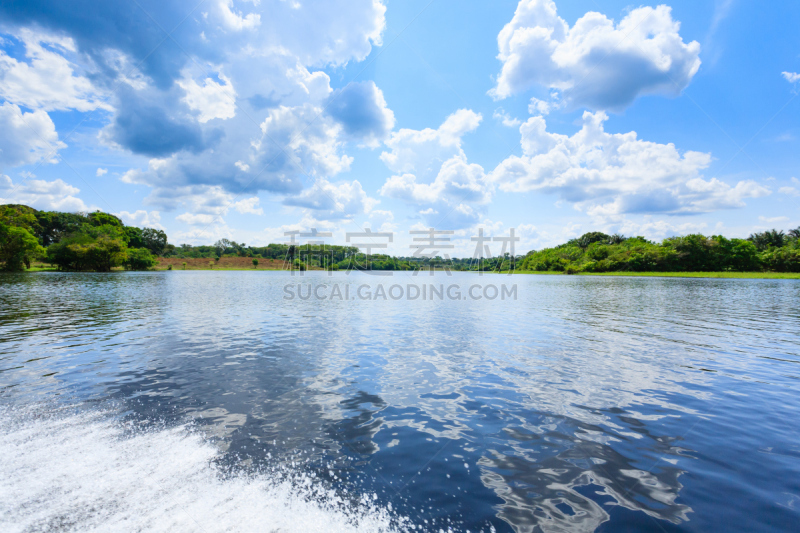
x=597 y=251
x=139 y=259
x=95 y=248
x=18 y=248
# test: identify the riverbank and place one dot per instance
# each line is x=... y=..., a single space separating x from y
x=732 y=275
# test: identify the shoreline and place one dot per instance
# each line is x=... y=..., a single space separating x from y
x=717 y=275
x=699 y=275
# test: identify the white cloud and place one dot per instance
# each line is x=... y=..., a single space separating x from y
x=791 y=77
x=789 y=191
x=382 y=220
x=541 y=107
x=457 y=181
x=205 y=234
x=652 y=229
x=27 y=138
x=293 y=144
x=212 y=99
x=101 y=172
x=249 y=205
x=141 y=218
x=362 y=111
x=311 y=141
x=605 y=174
x=506 y=119
x=773 y=220
x=320 y=33
x=422 y=152
x=198 y=220
x=333 y=201
x=595 y=63
x=197 y=199
x=47 y=81
x=433 y=172
x=54 y=195
x=234 y=20
x=188 y=122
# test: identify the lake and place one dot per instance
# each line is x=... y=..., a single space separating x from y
x=261 y=401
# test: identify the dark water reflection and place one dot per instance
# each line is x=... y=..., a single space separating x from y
x=586 y=404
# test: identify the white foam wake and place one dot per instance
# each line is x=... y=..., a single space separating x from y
x=80 y=473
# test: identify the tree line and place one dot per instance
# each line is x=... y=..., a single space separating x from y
x=770 y=251
x=75 y=241
x=100 y=242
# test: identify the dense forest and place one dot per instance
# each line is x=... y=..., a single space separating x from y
x=100 y=242
x=771 y=251
x=75 y=241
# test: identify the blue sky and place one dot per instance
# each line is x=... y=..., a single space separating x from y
x=245 y=119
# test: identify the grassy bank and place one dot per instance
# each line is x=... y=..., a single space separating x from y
x=732 y=275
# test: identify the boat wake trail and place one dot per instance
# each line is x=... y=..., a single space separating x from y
x=83 y=471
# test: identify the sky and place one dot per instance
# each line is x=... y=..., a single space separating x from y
x=249 y=119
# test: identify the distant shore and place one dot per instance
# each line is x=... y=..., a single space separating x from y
x=236 y=264
x=732 y=275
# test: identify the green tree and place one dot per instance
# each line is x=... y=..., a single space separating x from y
x=139 y=259
x=154 y=240
x=98 y=249
x=20 y=216
x=588 y=238
x=98 y=218
x=54 y=226
x=134 y=235
x=255 y=263
x=768 y=239
x=17 y=248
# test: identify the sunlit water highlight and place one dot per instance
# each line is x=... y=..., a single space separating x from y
x=206 y=401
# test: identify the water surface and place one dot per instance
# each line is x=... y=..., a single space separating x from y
x=208 y=400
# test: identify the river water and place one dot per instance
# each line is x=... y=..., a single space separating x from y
x=237 y=401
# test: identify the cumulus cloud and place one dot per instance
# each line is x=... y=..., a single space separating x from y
x=322 y=33
x=47 y=80
x=649 y=227
x=249 y=205
x=433 y=172
x=235 y=20
x=791 y=77
x=457 y=181
x=596 y=63
x=27 y=138
x=789 y=191
x=299 y=137
x=55 y=195
x=198 y=199
x=181 y=111
x=141 y=218
x=422 y=152
x=609 y=173
x=212 y=99
x=506 y=119
x=197 y=220
x=147 y=124
x=361 y=110
x=101 y=172
x=333 y=201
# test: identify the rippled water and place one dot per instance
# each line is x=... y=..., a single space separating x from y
x=207 y=401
